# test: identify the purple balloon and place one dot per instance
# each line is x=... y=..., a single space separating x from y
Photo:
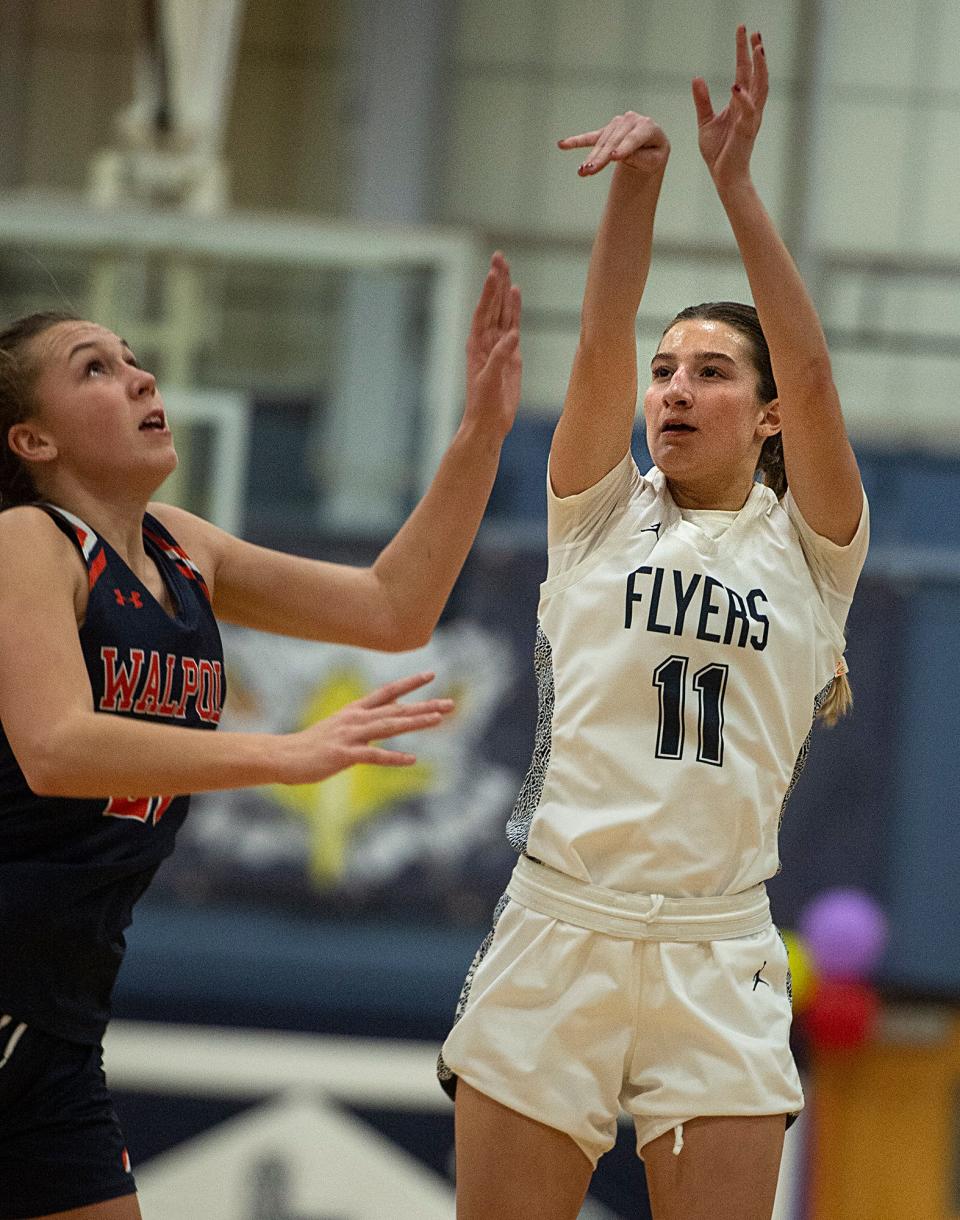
x=846 y=933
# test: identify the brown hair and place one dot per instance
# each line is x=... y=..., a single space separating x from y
x=18 y=374
x=770 y=465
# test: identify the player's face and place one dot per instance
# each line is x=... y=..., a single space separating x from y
x=703 y=412
x=101 y=410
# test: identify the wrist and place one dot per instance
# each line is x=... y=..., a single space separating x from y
x=479 y=433
x=280 y=756
x=733 y=190
x=640 y=177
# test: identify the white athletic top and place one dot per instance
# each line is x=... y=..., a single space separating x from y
x=678 y=675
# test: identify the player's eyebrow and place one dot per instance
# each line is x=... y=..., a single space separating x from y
x=699 y=357
x=95 y=343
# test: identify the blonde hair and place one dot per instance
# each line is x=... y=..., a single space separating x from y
x=837 y=701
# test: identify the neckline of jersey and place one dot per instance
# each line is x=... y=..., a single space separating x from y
x=179 y=614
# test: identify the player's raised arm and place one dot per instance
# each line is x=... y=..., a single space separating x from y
x=67 y=748
x=395 y=604
x=596 y=425
x=821 y=467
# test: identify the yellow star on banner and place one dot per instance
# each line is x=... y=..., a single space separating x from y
x=334 y=807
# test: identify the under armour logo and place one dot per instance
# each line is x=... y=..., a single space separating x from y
x=757 y=980
x=134 y=599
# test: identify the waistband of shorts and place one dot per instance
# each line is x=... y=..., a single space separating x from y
x=637 y=916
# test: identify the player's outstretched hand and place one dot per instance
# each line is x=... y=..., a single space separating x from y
x=726 y=139
x=631 y=139
x=345 y=738
x=493 y=352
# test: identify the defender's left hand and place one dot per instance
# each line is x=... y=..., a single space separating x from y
x=726 y=139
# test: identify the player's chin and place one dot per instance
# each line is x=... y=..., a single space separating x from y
x=674 y=460
x=167 y=456
x=164 y=463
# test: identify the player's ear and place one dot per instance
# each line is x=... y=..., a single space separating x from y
x=769 y=423
x=31 y=442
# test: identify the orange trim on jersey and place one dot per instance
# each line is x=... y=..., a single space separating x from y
x=97 y=564
x=181 y=559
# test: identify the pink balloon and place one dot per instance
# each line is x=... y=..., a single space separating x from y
x=846 y=933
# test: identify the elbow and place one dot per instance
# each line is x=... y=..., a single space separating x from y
x=402 y=621
x=405 y=637
x=45 y=787
x=44 y=767
x=43 y=774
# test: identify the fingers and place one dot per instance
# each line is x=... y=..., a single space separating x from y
x=503 y=351
x=490 y=304
x=498 y=274
x=586 y=140
x=627 y=137
x=608 y=140
x=498 y=300
x=395 y=726
x=392 y=691
x=751 y=71
x=702 y=102
x=761 y=78
x=743 y=111
x=633 y=134
x=483 y=312
x=744 y=69
x=488 y=388
x=510 y=312
x=376 y=756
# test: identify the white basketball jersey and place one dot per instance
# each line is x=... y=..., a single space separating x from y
x=678 y=674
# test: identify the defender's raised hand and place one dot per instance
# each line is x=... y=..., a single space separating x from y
x=726 y=139
x=493 y=350
x=630 y=139
x=350 y=736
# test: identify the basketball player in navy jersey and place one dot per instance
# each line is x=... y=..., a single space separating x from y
x=112 y=678
x=690 y=627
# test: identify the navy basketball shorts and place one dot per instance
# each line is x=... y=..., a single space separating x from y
x=60 y=1142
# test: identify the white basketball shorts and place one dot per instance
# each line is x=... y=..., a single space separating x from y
x=569 y=1025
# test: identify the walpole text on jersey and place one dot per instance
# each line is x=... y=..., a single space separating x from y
x=161 y=686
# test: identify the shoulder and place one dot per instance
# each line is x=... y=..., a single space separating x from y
x=33 y=545
x=27 y=527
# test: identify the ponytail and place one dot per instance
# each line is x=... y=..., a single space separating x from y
x=837 y=699
x=770 y=465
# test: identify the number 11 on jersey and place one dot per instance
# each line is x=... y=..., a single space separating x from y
x=710 y=683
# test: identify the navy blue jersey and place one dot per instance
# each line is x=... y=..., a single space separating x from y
x=71 y=869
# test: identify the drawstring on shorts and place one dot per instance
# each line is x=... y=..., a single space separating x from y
x=678 y=1139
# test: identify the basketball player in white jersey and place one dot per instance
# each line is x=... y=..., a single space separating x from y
x=690 y=627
